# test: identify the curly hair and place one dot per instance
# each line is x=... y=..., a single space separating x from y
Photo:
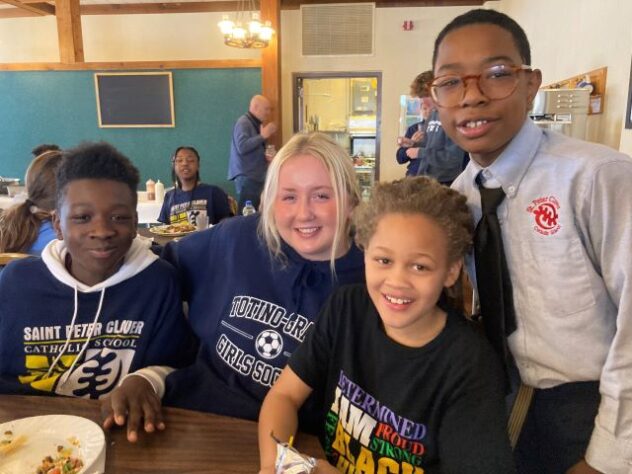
x=418 y=195
x=420 y=87
x=96 y=161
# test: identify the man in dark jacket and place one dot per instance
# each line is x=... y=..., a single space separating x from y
x=248 y=161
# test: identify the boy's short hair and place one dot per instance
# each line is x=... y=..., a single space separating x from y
x=96 y=161
x=418 y=195
x=491 y=17
x=420 y=87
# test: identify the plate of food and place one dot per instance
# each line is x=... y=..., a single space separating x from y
x=173 y=230
x=52 y=444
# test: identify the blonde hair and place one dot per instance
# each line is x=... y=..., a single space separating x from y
x=343 y=180
x=19 y=225
x=418 y=195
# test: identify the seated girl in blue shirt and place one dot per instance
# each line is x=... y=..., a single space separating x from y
x=26 y=227
x=190 y=197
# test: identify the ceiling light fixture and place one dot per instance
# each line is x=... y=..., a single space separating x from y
x=246 y=31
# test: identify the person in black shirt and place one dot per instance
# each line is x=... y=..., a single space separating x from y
x=408 y=386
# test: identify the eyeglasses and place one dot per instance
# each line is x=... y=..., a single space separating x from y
x=495 y=82
x=182 y=160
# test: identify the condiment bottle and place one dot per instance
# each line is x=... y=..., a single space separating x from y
x=160 y=191
x=150 y=186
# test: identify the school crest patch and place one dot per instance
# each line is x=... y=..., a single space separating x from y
x=545 y=211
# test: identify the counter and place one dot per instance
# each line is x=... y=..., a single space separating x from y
x=148 y=211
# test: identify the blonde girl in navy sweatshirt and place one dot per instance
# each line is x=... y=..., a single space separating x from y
x=255 y=285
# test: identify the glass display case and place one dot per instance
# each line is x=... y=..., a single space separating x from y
x=345 y=107
x=409 y=112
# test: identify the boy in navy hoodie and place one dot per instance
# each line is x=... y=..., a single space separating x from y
x=98 y=304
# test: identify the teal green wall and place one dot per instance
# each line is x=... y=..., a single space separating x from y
x=60 y=107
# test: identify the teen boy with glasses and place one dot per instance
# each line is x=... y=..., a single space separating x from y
x=567 y=235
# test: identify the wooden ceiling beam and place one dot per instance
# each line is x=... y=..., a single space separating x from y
x=37 y=8
x=296 y=4
x=135 y=65
x=69 y=32
x=196 y=7
x=145 y=8
x=16 y=13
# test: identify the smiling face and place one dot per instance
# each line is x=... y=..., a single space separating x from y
x=407 y=267
x=305 y=208
x=97 y=220
x=481 y=126
x=186 y=165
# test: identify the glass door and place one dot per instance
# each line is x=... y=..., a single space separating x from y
x=346 y=106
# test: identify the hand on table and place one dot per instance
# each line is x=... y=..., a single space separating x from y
x=133 y=401
x=582 y=467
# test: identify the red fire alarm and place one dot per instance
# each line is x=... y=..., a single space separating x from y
x=408 y=25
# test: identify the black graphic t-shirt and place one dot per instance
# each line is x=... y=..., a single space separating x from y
x=396 y=409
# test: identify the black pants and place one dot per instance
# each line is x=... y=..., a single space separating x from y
x=558 y=427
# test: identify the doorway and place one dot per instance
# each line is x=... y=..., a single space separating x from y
x=347 y=107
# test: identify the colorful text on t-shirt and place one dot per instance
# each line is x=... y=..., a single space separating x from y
x=364 y=436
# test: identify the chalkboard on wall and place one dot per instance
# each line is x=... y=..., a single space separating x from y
x=140 y=99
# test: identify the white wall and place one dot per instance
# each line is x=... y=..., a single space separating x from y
x=155 y=37
x=28 y=40
x=593 y=34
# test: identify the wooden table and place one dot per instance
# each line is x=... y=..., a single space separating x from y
x=193 y=442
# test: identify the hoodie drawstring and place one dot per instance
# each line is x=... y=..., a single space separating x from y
x=85 y=345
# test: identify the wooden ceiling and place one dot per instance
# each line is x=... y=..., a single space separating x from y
x=29 y=8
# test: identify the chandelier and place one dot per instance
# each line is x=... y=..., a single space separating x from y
x=246 y=31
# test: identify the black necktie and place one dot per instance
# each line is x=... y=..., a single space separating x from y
x=492 y=275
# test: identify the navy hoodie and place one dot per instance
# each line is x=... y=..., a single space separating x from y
x=250 y=312
x=59 y=336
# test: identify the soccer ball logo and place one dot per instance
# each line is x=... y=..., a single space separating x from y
x=269 y=344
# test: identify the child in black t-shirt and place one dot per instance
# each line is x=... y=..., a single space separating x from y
x=407 y=386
